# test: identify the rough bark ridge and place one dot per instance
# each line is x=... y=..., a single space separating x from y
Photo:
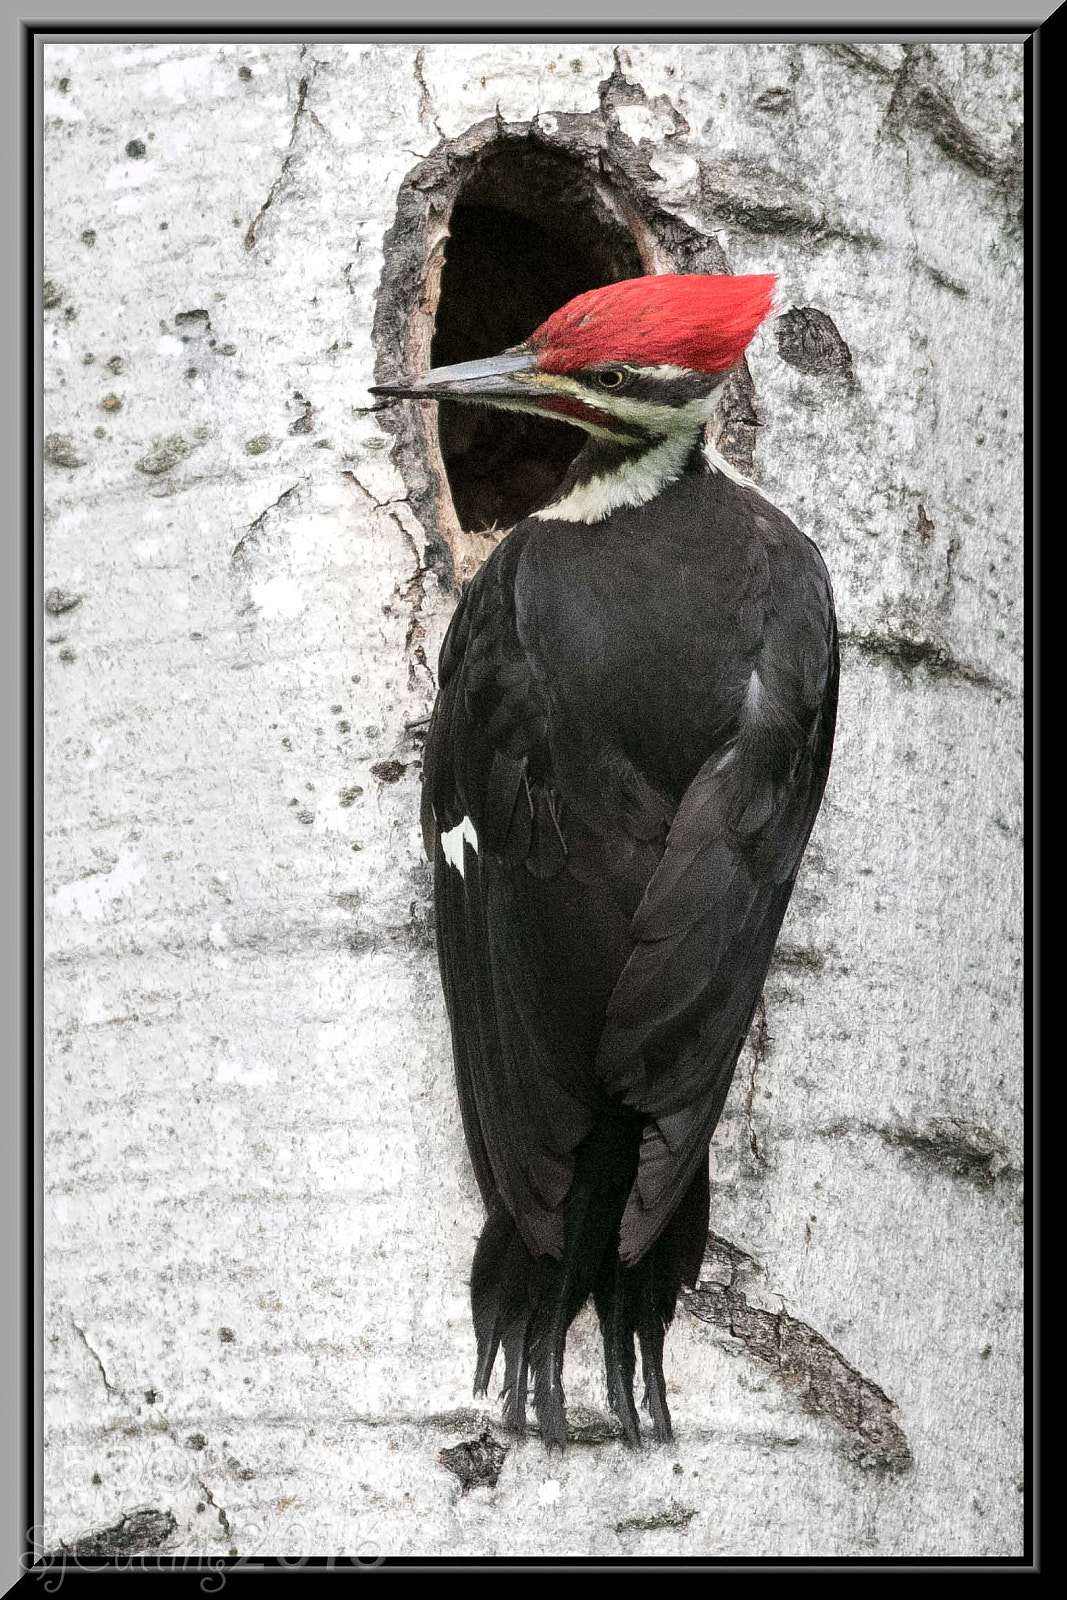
x=259 y=1214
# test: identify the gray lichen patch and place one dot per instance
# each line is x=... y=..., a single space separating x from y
x=476 y=1463
x=59 y=451
x=794 y=958
x=908 y=651
x=306 y=420
x=259 y=444
x=674 y=1515
x=140 y=1530
x=588 y=1428
x=921 y=102
x=809 y=341
x=907 y=634
x=165 y=454
x=388 y=771
x=775 y=101
x=349 y=900
x=944 y=280
x=756 y=199
x=58 y=601
x=955 y=1146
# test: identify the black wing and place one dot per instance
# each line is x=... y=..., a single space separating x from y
x=524 y=1073
x=708 y=923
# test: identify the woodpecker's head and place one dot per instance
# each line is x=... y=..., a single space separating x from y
x=633 y=361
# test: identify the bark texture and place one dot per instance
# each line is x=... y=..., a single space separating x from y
x=259 y=1215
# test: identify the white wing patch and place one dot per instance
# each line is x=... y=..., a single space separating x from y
x=452 y=843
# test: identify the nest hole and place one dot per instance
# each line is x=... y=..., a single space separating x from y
x=529 y=229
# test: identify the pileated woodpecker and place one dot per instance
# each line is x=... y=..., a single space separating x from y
x=626 y=756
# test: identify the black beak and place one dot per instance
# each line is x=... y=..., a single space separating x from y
x=492 y=379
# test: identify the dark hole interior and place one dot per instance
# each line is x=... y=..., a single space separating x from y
x=527 y=233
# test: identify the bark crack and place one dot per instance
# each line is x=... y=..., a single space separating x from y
x=257 y=523
x=224 y=1521
x=761 y=1049
x=426 y=114
x=252 y=235
x=381 y=505
x=413 y=590
x=413 y=593
x=801 y=1359
x=80 y=1331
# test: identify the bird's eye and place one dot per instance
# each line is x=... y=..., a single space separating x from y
x=611 y=380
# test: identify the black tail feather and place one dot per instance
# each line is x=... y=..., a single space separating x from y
x=516 y=1367
x=501 y=1303
x=527 y=1303
x=652 y=1325
x=488 y=1273
x=563 y=1289
x=638 y=1302
x=619 y=1358
x=629 y=1308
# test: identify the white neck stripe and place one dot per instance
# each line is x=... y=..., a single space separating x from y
x=638 y=478
x=719 y=463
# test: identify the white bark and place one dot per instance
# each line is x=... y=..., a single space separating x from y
x=259 y=1211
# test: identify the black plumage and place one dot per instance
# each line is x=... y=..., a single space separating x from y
x=635 y=717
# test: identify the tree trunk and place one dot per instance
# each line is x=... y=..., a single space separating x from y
x=260 y=1214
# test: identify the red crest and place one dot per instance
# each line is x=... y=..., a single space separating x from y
x=693 y=320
